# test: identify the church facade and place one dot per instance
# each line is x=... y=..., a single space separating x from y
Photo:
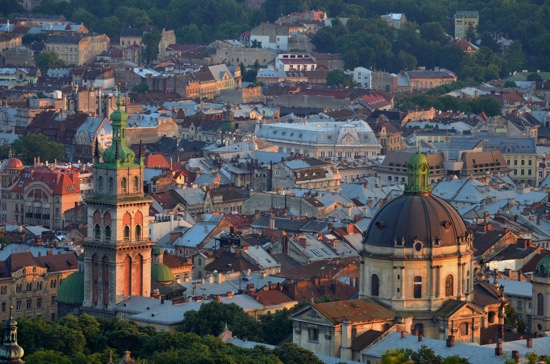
x=417 y=276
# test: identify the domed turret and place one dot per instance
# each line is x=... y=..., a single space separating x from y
x=119 y=151
x=10 y=351
x=71 y=290
x=543 y=268
x=419 y=247
x=14 y=163
x=417 y=216
x=161 y=273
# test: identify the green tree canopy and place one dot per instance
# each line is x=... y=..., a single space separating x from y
x=47 y=60
x=31 y=146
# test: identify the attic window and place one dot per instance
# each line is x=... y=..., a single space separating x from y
x=446 y=224
x=380 y=224
x=300 y=135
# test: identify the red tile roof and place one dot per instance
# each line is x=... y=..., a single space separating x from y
x=59 y=181
x=271 y=297
x=360 y=310
x=156 y=161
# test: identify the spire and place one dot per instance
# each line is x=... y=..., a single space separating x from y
x=10 y=153
x=119 y=152
x=418 y=173
x=10 y=351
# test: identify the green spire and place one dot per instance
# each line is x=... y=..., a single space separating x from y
x=418 y=173
x=119 y=153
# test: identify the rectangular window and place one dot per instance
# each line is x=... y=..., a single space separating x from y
x=39 y=303
x=18 y=306
x=53 y=301
x=3 y=306
x=29 y=304
x=313 y=334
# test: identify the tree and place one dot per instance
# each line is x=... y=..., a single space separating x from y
x=47 y=356
x=406 y=61
x=509 y=84
x=212 y=317
x=140 y=88
x=30 y=146
x=47 y=60
x=339 y=78
x=151 y=41
x=293 y=354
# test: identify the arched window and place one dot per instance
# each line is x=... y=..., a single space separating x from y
x=136 y=184
x=449 y=285
x=123 y=185
x=540 y=304
x=100 y=184
x=97 y=232
x=126 y=232
x=111 y=185
x=107 y=233
x=138 y=232
x=375 y=285
x=417 y=287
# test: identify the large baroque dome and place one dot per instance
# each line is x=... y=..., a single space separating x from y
x=417 y=217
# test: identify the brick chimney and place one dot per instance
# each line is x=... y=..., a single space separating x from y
x=450 y=342
x=498 y=348
x=302 y=241
x=529 y=343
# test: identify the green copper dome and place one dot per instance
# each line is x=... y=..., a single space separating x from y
x=157 y=250
x=543 y=268
x=71 y=290
x=161 y=273
x=119 y=151
x=418 y=173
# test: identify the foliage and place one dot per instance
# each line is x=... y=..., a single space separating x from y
x=249 y=73
x=339 y=78
x=509 y=84
x=140 y=88
x=212 y=317
x=512 y=318
x=30 y=146
x=151 y=41
x=424 y=355
x=293 y=354
x=85 y=339
x=48 y=60
x=487 y=104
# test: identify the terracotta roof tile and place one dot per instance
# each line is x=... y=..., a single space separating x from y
x=359 y=310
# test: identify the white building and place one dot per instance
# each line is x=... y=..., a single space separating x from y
x=296 y=61
x=272 y=36
x=361 y=76
x=323 y=138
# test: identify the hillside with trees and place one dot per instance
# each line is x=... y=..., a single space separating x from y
x=365 y=41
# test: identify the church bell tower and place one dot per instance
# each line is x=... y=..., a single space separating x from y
x=118 y=251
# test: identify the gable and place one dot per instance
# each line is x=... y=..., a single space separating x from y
x=466 y=311
x=312 y=316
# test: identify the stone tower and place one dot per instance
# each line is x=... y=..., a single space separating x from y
x=540 y=316
x=118 y=250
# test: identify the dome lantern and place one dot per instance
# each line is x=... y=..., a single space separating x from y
x=418 y=173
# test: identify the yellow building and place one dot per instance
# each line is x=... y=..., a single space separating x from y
x=463 y=21
x=31 y=284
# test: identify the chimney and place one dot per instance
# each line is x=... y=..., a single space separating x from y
x=230 y=294
x=302 y=241
x=450 y=342
x=350 y=228
x=515 y=355
x=530 y=343
x=402 y=334
x=498 y=348
x=162 y=300
x=218 y=299
x=419 y=338
x=250 y=287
